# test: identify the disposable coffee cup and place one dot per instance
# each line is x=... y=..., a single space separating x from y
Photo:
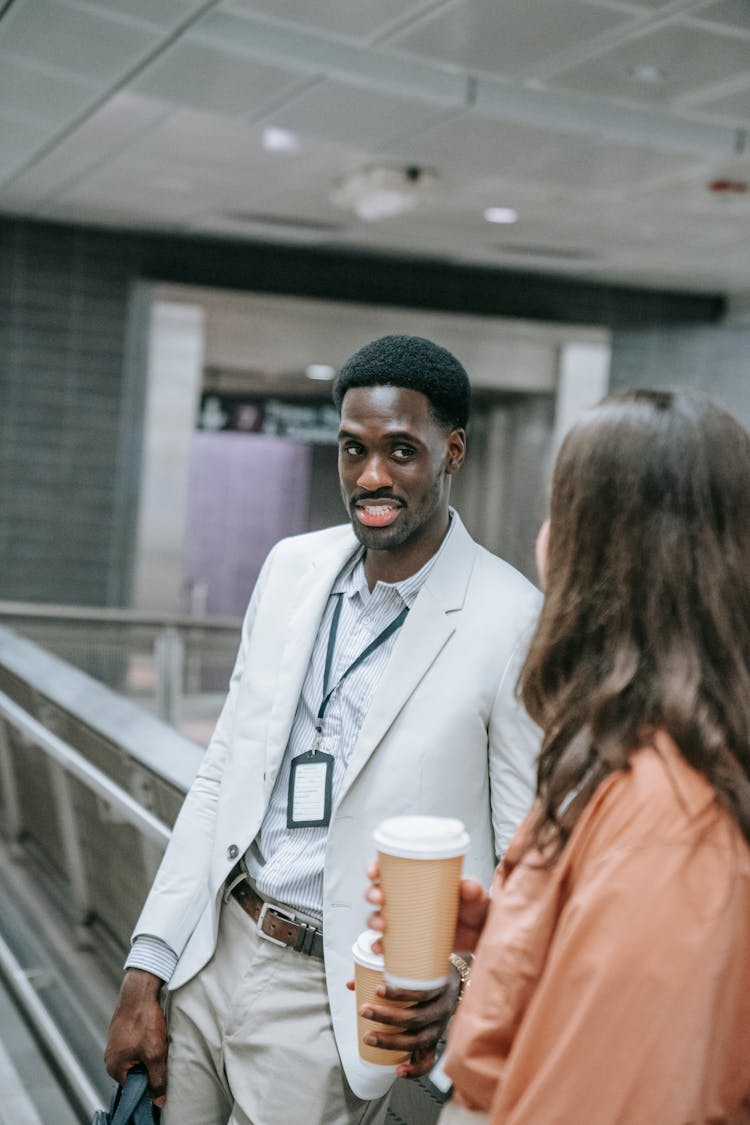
x=420 y=860
x=368 y=975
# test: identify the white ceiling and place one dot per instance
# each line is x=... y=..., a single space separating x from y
x=150 y=114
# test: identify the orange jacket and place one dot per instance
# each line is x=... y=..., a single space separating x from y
x=614 y=987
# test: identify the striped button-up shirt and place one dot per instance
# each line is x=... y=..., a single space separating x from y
x=287 y=864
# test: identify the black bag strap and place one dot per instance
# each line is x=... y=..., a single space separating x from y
x=134 y=1105
x=145 y=1112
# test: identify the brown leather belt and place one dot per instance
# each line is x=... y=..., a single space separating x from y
x=277 y=924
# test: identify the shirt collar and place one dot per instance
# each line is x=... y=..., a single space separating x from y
x=352 y=579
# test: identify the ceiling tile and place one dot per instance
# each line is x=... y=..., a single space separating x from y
x=104 y=133
x=468 y=140
x=508 y=38
x=113 y=188
x=10 y=160
x=205 y=78
x=221 y=167
x=357 y=21
x=688 y=57
x=442 y=221
x=19 y=136
x=342 y=114
x=733 y=13
x=584 y=164
x=656 y=5
x=161 y=13
x=307 y=203
x=735 y=106
x=216 y=149
x=70 y=40
x=31 y=92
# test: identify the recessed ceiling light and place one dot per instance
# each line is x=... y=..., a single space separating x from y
x=647 y=73
x=501 y=215
x=320 y=371
x=279 y=140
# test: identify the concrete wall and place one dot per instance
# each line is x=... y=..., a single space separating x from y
x=713 y=360
x=62 y=347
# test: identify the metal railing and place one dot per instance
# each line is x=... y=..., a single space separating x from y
x=89 y=784
x=81 y=1090
x=73 y=765
x=68 y=764
x=86 y=774
x=164 y=661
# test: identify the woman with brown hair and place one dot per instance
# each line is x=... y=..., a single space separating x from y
x=612 y=977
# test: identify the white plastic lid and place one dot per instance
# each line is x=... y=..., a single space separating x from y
x=422 y=837
x=362 y=950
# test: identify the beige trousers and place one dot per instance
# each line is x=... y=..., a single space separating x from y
x=251 y=1041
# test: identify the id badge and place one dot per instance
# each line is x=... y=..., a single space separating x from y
x=310 y=788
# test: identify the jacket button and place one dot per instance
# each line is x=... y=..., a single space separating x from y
x=232 y=851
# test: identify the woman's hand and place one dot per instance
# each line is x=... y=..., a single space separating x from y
x=473 y=906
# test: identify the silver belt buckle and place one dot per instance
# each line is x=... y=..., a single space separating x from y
x=280 y=913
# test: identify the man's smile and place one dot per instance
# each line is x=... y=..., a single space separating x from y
x=377 y=513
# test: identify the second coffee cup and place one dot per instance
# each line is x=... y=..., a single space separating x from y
x=420 y=860
x=368 y=976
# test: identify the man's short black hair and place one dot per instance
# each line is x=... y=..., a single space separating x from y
x=414 y=363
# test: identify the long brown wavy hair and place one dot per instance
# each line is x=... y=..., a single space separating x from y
x=646 y=616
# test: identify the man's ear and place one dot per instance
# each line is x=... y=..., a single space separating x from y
x=455 y=452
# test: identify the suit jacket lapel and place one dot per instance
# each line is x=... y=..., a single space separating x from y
x=423 y=635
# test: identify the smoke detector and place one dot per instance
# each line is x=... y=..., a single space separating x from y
x=382 y=191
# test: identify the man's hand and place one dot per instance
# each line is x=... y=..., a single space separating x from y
x=423 y=1022
x=138 y=1033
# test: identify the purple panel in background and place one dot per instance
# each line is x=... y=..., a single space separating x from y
x=245 y=492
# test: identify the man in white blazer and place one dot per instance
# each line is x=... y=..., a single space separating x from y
x=375 y=676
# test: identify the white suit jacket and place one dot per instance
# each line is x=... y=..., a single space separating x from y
x=444 y=736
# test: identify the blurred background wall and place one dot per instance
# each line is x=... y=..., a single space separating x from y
x=714 y=360
x=111 y=342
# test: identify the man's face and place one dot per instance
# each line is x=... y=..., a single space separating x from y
x=395 y=462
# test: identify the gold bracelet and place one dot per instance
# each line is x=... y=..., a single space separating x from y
x=463 y=968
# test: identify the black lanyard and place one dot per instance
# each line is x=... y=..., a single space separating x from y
x=373 y=645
